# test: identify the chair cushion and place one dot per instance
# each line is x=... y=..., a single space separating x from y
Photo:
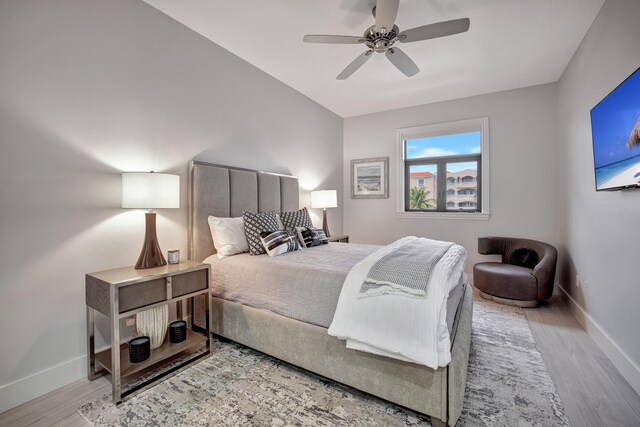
x=505 y=281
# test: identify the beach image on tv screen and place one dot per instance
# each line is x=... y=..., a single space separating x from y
x=615 y=123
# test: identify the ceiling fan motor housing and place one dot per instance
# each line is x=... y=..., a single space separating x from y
x=380 y=42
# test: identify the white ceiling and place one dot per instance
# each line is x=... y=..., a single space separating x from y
x=511 y=44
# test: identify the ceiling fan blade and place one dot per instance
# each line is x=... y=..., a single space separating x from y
x=357 y=63
x=317 y=38
x=386 y=12
x=402 y=62
x=433 y=31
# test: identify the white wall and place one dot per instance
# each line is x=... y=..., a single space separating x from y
x=522 y=132
x=89 y=89
x=600 y=232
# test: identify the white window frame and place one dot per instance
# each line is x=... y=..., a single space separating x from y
x=441 y=129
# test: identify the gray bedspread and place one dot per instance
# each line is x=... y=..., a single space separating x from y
x=304 y=285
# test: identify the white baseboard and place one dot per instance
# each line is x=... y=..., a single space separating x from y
x=629 y=370
x=35 y=385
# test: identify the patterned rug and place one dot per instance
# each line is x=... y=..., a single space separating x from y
x=507 y=385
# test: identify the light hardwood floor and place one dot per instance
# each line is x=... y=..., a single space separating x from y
x=593 y=391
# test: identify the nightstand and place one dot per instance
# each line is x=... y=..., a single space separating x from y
x=122 y=293
x=340 y=239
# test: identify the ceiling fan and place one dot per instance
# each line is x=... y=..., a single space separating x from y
x=384 y=34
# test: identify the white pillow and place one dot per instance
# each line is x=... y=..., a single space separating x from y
x=228 y=236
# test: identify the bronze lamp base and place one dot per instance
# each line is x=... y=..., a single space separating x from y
x=151 y=254
x=325 y=223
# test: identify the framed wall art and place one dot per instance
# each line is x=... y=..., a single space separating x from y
x=370 y=178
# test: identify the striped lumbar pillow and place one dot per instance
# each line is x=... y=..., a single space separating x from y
x=279 y=242
x=310 y=237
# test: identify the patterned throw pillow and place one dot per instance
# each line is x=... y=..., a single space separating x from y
x=256 y=223
x=295 y=219
x=310 y=237
x=279 y=242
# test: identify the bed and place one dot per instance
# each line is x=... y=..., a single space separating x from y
x=293 y=327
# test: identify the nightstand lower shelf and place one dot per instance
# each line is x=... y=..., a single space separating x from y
x=158 y=355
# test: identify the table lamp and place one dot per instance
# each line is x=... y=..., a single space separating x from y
x=324 y=199
x=149 y=190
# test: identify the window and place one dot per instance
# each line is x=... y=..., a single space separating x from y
x=444 y=170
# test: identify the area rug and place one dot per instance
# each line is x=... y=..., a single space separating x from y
x=507 y=385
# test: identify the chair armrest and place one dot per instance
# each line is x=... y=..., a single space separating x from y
x=545 y=271
x=491 y=245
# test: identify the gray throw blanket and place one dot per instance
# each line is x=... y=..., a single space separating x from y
x=406 y=270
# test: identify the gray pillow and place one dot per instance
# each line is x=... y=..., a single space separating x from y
x=299 y=218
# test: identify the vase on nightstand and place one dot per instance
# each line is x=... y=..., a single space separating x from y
x=153 y=323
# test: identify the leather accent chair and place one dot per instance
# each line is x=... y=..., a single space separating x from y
x=511 y=284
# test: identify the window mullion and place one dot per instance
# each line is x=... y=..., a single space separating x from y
x=407 y=189
x=441 y=198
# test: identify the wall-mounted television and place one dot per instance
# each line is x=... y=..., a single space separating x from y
x=615 y=127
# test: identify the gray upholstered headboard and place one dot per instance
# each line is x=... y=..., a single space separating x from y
x=225 y=191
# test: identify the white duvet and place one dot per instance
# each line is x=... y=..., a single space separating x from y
x=397 y=326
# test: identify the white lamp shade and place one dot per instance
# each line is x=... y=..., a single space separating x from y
x=149 y=190
x=324 y=199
